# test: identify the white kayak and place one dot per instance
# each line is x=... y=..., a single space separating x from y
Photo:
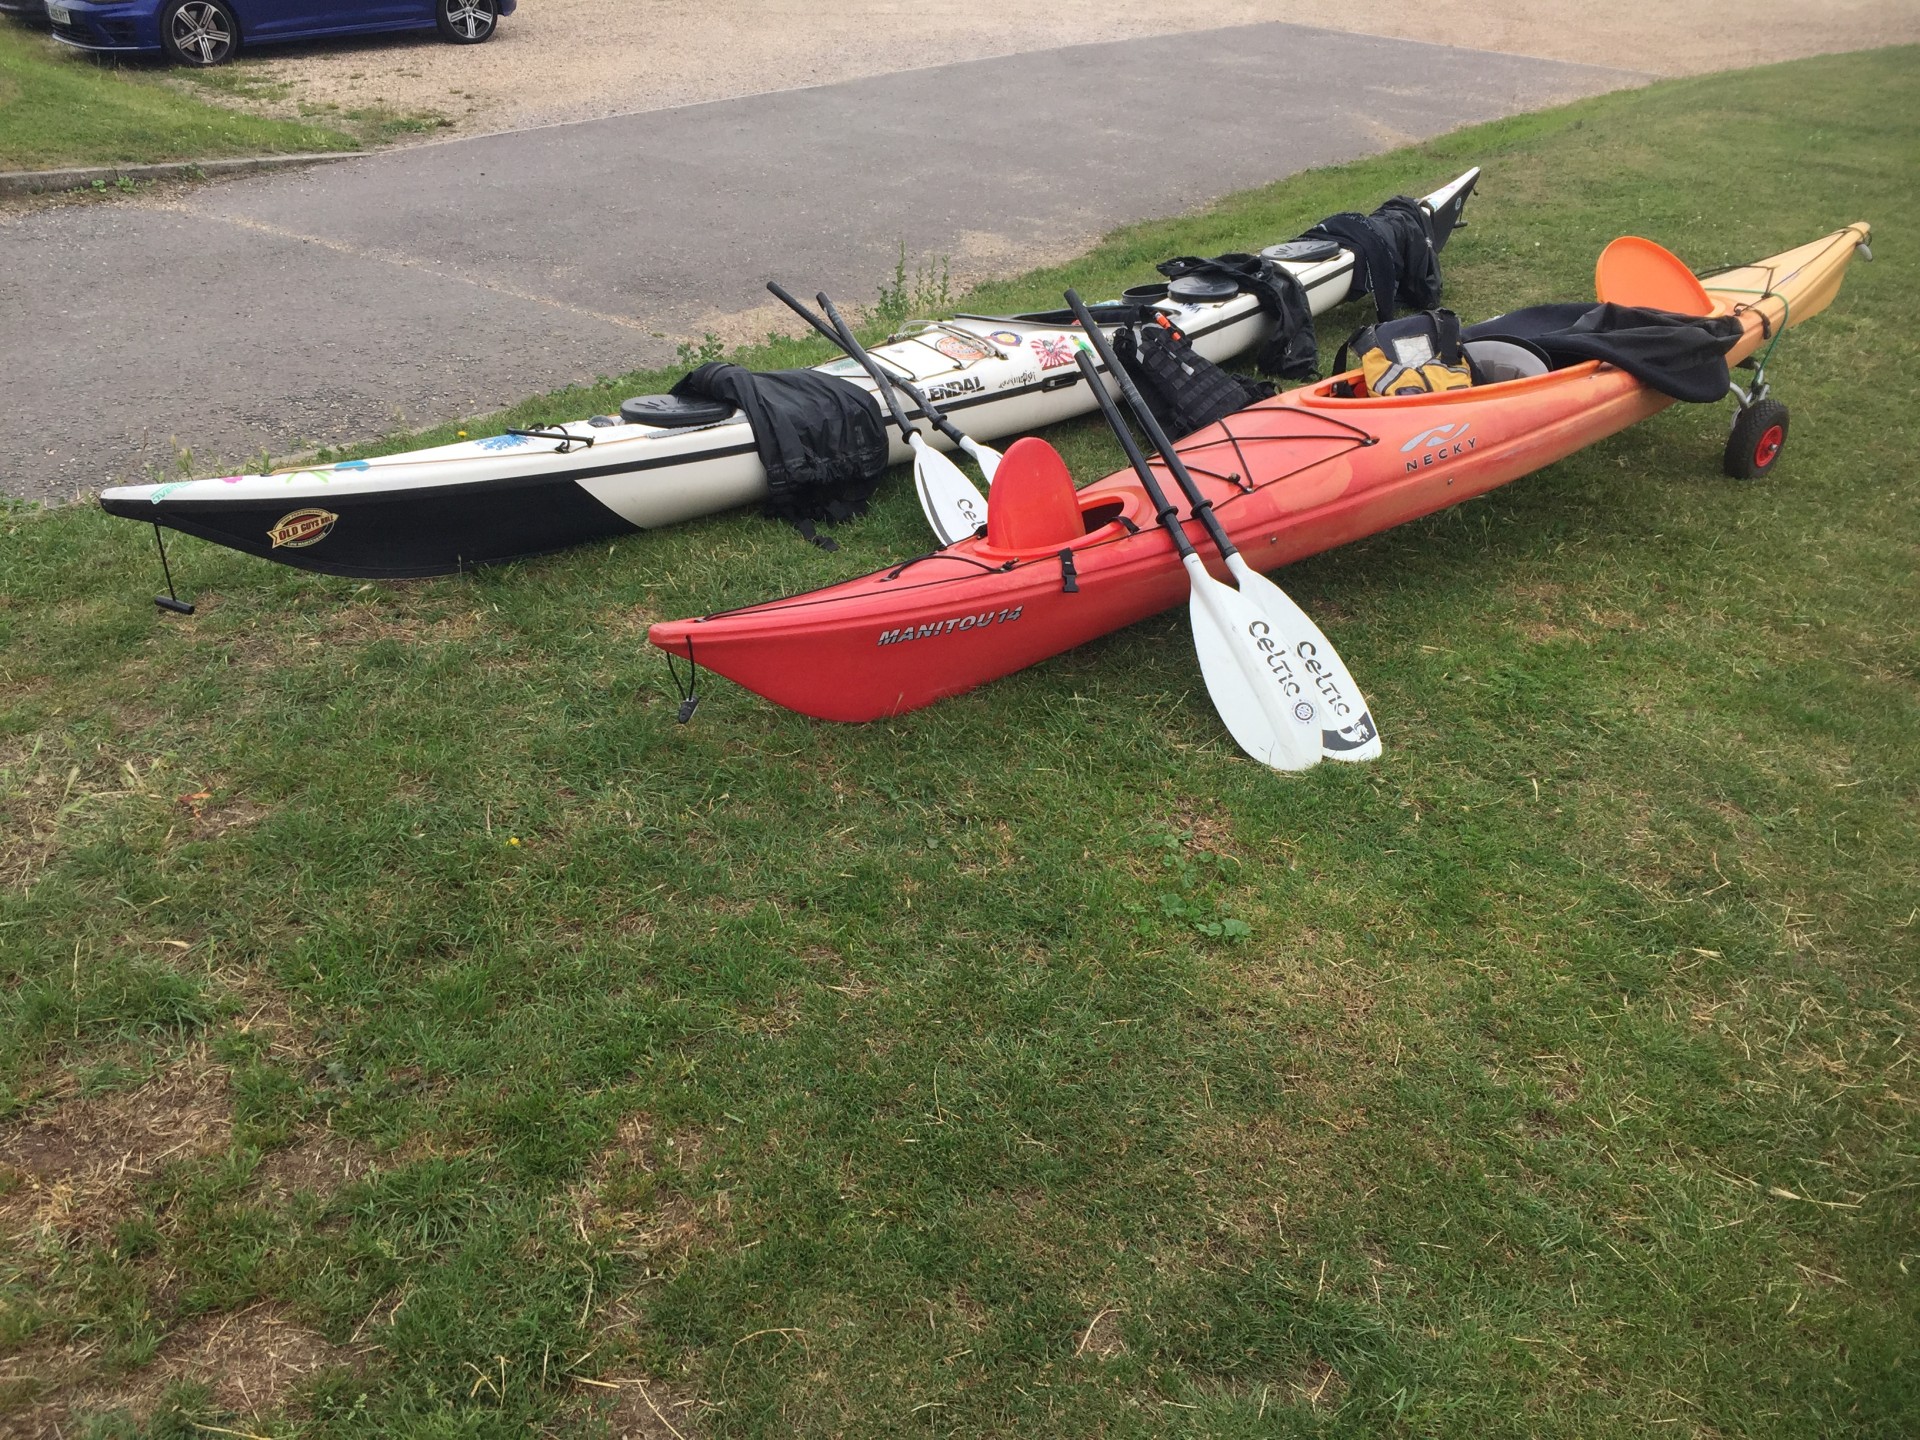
x=530 y=492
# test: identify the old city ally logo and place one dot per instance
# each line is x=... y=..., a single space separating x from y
x=1442 y=442
x=302 y=527
x=948 y=627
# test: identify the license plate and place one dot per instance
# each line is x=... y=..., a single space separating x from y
x=60 y=14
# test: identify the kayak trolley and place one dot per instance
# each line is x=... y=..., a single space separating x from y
x=1760 y=424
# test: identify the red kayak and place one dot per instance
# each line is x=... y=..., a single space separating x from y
x=1290 y=477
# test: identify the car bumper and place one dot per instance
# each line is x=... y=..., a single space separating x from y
x=108 y=27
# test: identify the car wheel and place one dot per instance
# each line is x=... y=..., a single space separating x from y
x=199 y=32
x=467 y=22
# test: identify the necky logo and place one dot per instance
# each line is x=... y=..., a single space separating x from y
x=1438 y=445
x=1438 y=435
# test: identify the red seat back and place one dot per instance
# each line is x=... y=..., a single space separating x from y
x=1032 y=505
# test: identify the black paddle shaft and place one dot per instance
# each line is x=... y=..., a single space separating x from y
x=1197 y=501
x=939 y=421
x=1164 y=510
x=859 y=352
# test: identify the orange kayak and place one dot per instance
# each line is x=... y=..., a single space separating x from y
x=1290 y=477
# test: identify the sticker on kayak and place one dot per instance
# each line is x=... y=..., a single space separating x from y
x=1005 y=337
x=956 y=347
x=1436 y=435
x=1054 y=351
x=1443 y=442
x=302 y=527
x=934 y=628
x=965 y=385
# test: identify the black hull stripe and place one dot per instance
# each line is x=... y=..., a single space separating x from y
x=407 y=534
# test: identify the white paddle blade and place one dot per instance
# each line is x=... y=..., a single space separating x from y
x=985 y=456
x=954 y=507
x=1269 y=713
x=1347 y=729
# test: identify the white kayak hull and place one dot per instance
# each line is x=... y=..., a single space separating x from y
x=506 y=497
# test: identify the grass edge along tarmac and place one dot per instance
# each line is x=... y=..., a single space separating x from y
x=410 y=1030
x=59 y=108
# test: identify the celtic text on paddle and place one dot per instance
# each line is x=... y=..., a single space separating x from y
x=1281 y=665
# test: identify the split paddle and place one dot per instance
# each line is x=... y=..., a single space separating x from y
x=954 y=507
x=1279 y=685
x=985 y=456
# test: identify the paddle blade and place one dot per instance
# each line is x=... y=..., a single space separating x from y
x=985 y=456
x=954 y=507
x=1347 y=729
x=1268 y=712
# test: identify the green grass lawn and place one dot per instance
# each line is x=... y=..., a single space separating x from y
x=58 y=108
x=410 y=1030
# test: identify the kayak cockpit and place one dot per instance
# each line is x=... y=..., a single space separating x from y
x=1033 y=508
x=1339 y=390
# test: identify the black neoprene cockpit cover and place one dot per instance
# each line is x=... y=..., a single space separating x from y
x=1397 y=257
x=1684 y=356
x=822 y=439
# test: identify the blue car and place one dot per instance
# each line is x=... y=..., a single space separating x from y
x=207 y=32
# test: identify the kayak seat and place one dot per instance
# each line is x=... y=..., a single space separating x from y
x=1032 y=505
x=673 y=412
x=1496 y=361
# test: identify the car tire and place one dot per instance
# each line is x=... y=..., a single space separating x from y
x=466 y=22
x=199 y=32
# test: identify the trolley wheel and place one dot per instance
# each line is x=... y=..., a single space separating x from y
x=1759 y=435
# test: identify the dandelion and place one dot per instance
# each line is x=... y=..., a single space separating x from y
x=513 y=840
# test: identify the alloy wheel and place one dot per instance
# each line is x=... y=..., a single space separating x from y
x=472 y=19
x=202 y=32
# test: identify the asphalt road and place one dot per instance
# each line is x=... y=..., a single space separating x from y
x=284 y=311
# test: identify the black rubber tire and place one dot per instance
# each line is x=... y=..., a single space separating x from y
x=466 y=22
x=200 y=33
x=1759 y=435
